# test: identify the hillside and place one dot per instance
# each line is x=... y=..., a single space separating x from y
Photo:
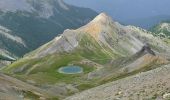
x=104 y=49
x=151 y=85
x=14 y=89
x=28 y=24
x=10 y=44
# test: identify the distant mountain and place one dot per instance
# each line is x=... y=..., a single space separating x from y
x=162 y=29
x=142 y=13
x=27 y=24
x=147 y=23
x=10 y=44
x=8 y=41
x=105 y=49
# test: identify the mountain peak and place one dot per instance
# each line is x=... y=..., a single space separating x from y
x=101 y=23
x=102 y=17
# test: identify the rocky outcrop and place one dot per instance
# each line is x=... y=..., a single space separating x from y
x=146 y=49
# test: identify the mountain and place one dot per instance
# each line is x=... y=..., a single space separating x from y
x=147 y=23
x=162 y=29
x=27 y=24
x=5 y=56
x=104 y=49
x=10 y=44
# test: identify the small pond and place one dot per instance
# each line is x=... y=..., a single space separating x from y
x=70 y=69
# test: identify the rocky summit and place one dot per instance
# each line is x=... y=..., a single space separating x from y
x=106 y=51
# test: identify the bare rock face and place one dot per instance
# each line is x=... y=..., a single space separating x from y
x=67 y=42
x=146 y=49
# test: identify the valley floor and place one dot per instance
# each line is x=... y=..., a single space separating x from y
x=151 y=85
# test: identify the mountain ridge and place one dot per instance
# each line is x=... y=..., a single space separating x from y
x=96 y=30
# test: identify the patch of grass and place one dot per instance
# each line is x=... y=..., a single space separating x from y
x=86 y=86
x=30 y=95
x=45 y=70
x=18 y=64
x=91 y=50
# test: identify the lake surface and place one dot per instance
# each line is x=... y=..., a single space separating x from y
x=70 y=70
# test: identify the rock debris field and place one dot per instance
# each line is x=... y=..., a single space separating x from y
x=151 y=85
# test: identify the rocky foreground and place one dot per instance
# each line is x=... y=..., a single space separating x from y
x=14 y=89
x=151 y=85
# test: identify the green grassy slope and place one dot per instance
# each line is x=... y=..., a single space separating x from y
x=47 y=66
